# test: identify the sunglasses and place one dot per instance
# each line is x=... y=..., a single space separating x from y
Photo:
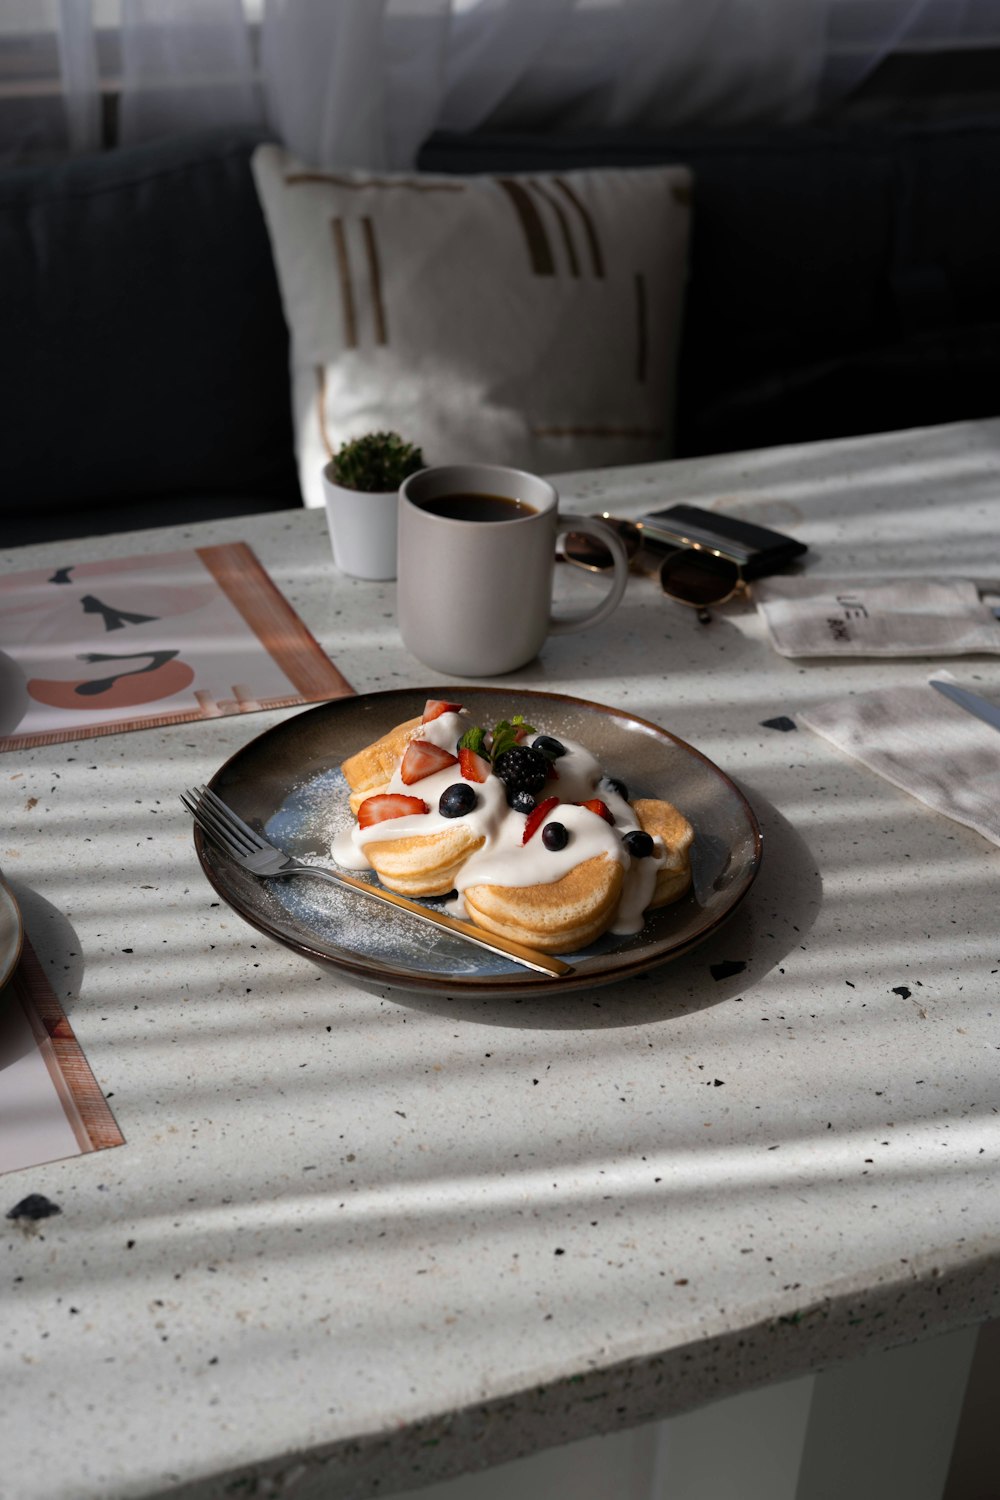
x=694 y=575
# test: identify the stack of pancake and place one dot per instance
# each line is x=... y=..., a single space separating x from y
x=424 y=864
x=434 y=855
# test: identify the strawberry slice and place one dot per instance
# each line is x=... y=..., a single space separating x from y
x=537 y=818
x=388 y=805
x=600 y=808
x=435 y=707
x=422 y=759
x=473 y=767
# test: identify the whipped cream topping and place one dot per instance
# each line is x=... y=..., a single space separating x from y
x=503 y=859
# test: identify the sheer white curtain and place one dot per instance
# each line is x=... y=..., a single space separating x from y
x=522 y=64
x=78 y=67
x=186 y=64
x=363 y=82
x=52 y=76
x=383 y=73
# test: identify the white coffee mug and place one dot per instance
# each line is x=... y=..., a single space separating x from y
x=476 y=557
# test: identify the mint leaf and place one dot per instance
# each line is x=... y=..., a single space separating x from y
x=503 y=738
x=474 y=740
x=505 y=735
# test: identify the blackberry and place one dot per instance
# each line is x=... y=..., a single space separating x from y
x=521 y=769
x=638 y=844
x=523 y=802
x=553 y=748
x=457 y=800
x=555 y=836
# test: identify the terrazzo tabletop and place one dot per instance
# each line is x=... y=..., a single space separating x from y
x=356 y=1241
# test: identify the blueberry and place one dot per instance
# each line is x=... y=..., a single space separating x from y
x=616 y=786
x=523 y=802
x=638 y=844
x=457 y=800
x=554 y=836
x=548 y=746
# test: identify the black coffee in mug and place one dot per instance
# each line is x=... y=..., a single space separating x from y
x=471 y=506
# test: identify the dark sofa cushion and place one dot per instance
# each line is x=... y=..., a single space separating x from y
x=842 y=280
x=144 y=352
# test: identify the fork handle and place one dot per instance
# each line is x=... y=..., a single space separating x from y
x=542 y=963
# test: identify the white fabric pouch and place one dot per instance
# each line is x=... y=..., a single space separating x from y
x=872 y=617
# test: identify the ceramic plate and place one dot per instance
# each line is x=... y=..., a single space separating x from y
x=288 y=782
x=11 y=934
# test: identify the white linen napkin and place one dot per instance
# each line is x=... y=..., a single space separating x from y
x=876 y=617
x=925 y=744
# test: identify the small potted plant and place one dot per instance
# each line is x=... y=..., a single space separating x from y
x=361 y=488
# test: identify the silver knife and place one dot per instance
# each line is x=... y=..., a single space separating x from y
x=971 y=702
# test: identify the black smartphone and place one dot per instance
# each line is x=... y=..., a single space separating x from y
x=756 y=549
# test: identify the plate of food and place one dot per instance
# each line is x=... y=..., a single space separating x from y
x=573 y=827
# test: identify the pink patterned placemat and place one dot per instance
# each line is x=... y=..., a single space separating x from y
x=95 y=648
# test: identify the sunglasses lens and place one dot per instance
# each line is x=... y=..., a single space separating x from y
x=698 y=577
x=587 y=552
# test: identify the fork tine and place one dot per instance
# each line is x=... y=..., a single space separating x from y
x=226 y=815
x=214 y=831
x=190 y=802
x=201 y=821
x=227 y=838
x=240 y=841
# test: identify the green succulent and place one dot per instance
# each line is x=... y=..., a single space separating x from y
x=375 y=463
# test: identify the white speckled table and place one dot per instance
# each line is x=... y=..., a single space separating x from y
x=355 y=1243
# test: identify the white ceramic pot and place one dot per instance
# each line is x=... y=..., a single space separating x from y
x=362 y=529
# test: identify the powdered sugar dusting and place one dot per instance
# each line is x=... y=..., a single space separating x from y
x=306 y=825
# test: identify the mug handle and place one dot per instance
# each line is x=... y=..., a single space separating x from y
x=591 y=526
